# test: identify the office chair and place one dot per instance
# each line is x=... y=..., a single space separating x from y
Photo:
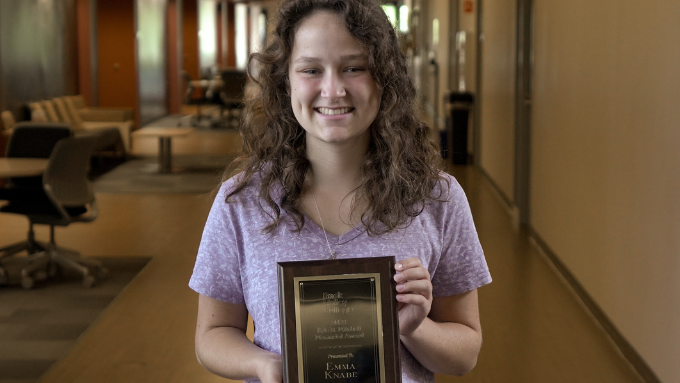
x=191 y=99
x=66 y=197
x=232 y=93
x=29 y=140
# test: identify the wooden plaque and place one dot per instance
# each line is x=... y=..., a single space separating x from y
x=339 y=321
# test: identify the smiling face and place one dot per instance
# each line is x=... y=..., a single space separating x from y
x=333 y=95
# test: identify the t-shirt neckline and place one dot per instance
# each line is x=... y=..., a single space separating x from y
x=334 y=240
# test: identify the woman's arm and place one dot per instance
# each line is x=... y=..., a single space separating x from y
x=223 y=348
x=443 y=334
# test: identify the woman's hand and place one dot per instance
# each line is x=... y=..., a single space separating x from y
x=223 y=348
x=414 y=293
x=271 y=369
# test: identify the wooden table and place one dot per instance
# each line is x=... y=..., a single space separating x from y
x=22 y=167
x=165 y=136
x=207 y=84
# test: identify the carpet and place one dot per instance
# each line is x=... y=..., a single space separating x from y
x=39 y=326
x=193 y=174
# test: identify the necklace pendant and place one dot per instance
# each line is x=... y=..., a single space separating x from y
x=332 y=254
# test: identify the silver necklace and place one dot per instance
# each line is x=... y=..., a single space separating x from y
x=322 y=227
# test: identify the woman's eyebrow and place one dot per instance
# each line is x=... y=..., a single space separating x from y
x=306 y=60
x=309 y=59
x=357 y=56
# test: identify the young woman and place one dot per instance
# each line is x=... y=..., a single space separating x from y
x=337 y=165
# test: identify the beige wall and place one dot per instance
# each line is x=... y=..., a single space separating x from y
x=497 y=94
x=605 y=181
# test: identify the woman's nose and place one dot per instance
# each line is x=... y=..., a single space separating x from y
x=333 y=87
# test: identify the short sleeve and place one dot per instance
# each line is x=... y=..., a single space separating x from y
x=462 y=266
x=217 y=272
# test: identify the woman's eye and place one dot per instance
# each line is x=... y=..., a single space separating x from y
x=310 y=71
x=354 y=69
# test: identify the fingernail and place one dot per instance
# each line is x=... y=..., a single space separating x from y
x=400 y=287
x=399 y=266
x=398 y=277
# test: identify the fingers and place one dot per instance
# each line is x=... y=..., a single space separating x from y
x=415 y=300
x=414 y=292
x=410 y=270
x=271 y=370
x=414 y=274
x=413 y=282
x=409 y=263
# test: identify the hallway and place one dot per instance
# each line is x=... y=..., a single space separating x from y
x=534 y=328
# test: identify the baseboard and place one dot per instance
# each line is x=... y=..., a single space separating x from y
x=617 y=339
x=510 y=208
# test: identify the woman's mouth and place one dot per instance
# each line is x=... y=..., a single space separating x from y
x=333 y=111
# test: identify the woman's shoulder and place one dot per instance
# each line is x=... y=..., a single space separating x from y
x=447 y=189
x=447 y=199
x=239 y=184
x=240 y=187
x=230 y=184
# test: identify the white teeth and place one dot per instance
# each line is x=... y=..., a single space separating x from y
x=333 y=112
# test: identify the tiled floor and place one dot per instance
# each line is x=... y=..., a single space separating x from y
x=39 y=326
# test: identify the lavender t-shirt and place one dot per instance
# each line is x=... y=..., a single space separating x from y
x=236 y=262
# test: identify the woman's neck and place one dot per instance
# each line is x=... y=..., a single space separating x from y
x=329 y=197
x=336 y=168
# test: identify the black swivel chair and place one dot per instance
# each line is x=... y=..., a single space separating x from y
x=66 y=197
x=29 y=140
x=232 y=94
x=191 y=99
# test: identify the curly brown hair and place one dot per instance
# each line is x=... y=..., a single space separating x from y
x=402 y=164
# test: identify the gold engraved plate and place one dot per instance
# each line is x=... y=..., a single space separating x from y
x=339 y=328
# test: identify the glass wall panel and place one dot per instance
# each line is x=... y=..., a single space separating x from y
x=207 y=34
x=35 y=62
x=151 y=59
x=241 y=21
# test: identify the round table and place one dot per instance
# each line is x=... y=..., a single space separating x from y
x=22 y=167
x=165 y=136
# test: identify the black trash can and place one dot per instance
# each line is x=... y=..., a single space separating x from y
x=458 y=106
